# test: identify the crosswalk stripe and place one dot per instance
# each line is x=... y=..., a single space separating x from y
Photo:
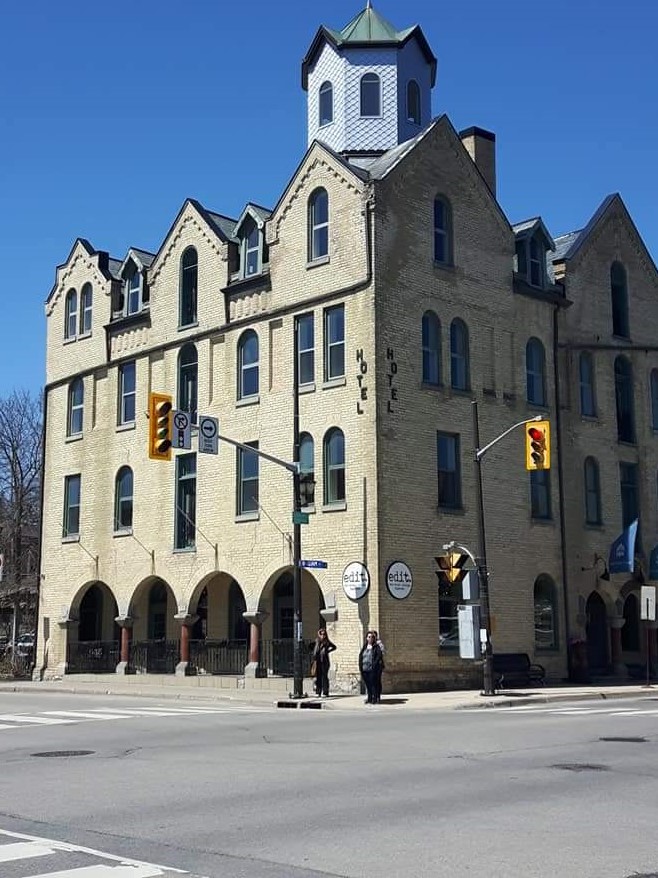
x=22 y=850
x=103 y=871
x=37 y=720
x=78 y=714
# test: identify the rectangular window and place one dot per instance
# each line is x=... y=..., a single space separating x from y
x=630 y=506
x=185 y=537
x=247 y=480
x=334 y=342
x=540 y=494
x=127 y=393
x=449 y=598
x=306 y=349
x=71 y=525
x=449 y=470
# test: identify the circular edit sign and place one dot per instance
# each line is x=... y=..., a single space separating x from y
x=356 y=580
x=399 y=580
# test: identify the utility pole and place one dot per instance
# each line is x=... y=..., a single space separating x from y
x=483 y=572
x=298 y=671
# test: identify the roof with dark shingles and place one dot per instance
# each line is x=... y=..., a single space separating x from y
x=224 y=224
x=145 y=256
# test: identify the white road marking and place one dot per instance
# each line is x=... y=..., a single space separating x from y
x=37 y=720
x=23 y=850
x=105 y=872
x=79 y=714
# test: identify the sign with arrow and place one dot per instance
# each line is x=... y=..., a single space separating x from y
x=182 y=431
x=208 y=435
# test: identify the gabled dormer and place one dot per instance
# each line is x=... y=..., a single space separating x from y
x=533 y=242
x=250 y=251
x=130 y=295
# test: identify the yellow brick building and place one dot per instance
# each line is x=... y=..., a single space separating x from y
x=413 y=295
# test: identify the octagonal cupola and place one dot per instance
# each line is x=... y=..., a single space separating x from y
x=369 y=85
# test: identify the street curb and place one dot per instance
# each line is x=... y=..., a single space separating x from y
x=506 y=701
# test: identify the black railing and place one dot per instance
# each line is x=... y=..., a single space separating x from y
x=92 y=656
x=154 y=656
x=218 y=656
x=277 y=657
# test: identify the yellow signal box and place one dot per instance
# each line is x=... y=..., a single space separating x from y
x=161 y=417
x=537 y=445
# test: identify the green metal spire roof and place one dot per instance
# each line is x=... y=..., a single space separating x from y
x=368 y=28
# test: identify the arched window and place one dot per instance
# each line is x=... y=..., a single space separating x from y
x=188 y=381
x=123 y=499
x=459 y=356
x=71 y=314
x=592 y=491
x=86 y=297
x=307 y=456
x=189 y=273
x=619 y=296
x=370 y=95
x=326 y=104
x=76 y=408
x=442 y=230
x=535 y=368
x=334 y=466
x=587 y=397
x=413 y=102
x=250 y=245
x=630 y=633
x=654 y=399
x=248 y=364
x=318 y=225
x=431 y=349
x=134 y=292
x=545 y=613
x=624 y=400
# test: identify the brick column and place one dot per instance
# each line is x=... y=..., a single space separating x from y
x=186 y=622
x=255 y=619
x=616 y=623
x=126 y=624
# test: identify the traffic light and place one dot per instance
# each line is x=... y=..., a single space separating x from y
x=538 y=445
x=160 y=426
x=450 y=568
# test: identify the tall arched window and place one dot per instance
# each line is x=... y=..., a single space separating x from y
x=586 y=374
x=535 y=368
x=334 y=466
x=123 y=499
x=318 y=225
x=592 y=491
x=545 y=613
x=654 y=399
x=442 y=230
x=326 y=103
x=619 y=297
x=624 y=400
x=86 y=301
x=188 y=381
x=76 y=408
x=630 y=633
x=459 y=356
x=248 y=364
x=71 y=314
x=431 y=349
x=189 y=275
x=413 y=102
x=307 y=456
x=371 y=97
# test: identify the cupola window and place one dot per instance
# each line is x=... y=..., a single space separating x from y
x=370 y=95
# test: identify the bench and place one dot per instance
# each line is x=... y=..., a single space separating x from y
x=510 y=668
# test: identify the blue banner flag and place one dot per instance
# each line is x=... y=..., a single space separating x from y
x=622 y=551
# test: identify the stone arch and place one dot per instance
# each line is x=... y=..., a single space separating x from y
x=219 y=601
x=93 y=634
x=153 y=607
x=276 y=602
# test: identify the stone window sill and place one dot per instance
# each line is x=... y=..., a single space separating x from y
x=84 y=335
x=71 y=538
x=187 y=550
x=71 y=339
x=307 y=388
x=315 y=263
x=334 y=382
x=124 y=532
x=335 y=507
x=248 y=400
x=451 y=510
x=122 y=428
x=247 y=516
x=183 y=327
x=74 y=437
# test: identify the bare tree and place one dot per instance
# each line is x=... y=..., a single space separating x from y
x=20 y=483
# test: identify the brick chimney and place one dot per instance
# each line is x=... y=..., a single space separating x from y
x=481 y=146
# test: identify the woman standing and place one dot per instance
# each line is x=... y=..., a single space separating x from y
x=323 y=646
x=370 y=664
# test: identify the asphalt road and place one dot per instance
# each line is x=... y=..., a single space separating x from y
x=256 y=793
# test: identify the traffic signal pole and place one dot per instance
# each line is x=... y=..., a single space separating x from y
x=483 y=571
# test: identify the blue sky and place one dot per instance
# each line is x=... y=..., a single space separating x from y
x=111 y=114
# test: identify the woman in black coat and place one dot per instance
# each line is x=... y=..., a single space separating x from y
x=371 y=662
x=323 y=646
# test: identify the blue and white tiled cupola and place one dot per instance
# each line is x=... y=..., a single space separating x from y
x=369 y=85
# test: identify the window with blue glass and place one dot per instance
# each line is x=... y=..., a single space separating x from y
x=535 y=364
x=587 y=395
x=248 y=476
x=318 y=225
x=306 y=349
x=460 y=377
x=370 y=95
x=442 y=230
x=326 y=104
x=431 y=342
x=185 y=536
x=248 y=365
x=449 y=471
x=540 y=494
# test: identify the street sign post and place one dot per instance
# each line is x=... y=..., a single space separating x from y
x=182 y=431
x=314 y=565
x=208 y=435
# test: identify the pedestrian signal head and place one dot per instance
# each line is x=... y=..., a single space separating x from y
x=160 y=426
x=538 y=445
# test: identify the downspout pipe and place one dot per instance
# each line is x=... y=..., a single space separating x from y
x=39 y=673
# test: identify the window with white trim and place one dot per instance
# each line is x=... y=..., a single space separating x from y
x=334 y=467
x=371 y=95
x=86 y=303
x=248 y=364
x=248 y=475
x=123 y=500
x=71 y=523
x=71 y=315
x=318 y=225
x=306 y=348
x=75 y=418
x=127 y=393
x=334 y=342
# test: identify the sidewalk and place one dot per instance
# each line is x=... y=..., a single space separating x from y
x=451 y=700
